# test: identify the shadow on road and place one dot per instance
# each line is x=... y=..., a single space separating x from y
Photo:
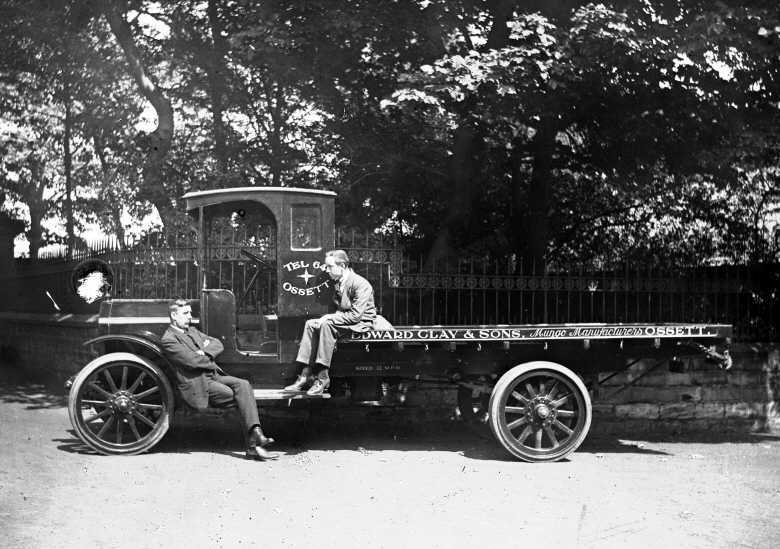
x=33 y=395
x=220 y=435
x=294 y=439
x=401 y=431
x=228 y=441
x=73 y=445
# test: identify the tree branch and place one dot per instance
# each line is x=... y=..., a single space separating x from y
x=587 y=221
x=160 y=140
x=115 y=11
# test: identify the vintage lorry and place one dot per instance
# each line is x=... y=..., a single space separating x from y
x=528 y=382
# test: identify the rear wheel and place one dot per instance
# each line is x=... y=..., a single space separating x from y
x=120 y=403
x=540 y=411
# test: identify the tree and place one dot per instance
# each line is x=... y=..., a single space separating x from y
x=61 y=62
x=157 y=143
x=549 y=131
x=30 y=167
x=602 y=121
x=36 y=70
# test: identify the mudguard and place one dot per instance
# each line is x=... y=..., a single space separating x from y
x=145 y=344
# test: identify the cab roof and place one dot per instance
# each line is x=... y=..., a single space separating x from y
x=219 y=196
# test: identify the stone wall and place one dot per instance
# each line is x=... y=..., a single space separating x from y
x=46 y=345
x=701 y=398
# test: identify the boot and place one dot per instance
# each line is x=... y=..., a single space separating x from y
x=255 y=446
x=302 y=382
x=320 y=384
x=258 y=453
x=258 y=438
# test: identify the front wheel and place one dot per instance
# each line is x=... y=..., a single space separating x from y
x=540 y=411
x=120 y=403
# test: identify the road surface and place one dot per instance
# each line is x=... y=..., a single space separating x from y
x=382 y=486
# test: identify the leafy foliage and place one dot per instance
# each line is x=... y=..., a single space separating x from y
x=636 y=121
x=556 y=131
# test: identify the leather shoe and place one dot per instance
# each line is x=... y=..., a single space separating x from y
x=256 y=443
x=257 y=438
x=299 y=386
x=318 y=387
x=258 y=453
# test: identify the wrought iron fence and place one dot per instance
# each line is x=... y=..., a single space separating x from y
x=483 y=292
x=461 y=290
x=412 y=291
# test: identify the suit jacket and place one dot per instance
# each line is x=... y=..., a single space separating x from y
x=193 y=370
x=355 y=307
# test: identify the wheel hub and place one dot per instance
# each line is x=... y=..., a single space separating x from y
x=540 y=409
x=543 y=411
x=123 y=403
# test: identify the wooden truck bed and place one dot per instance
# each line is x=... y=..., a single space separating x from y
x=529 y=333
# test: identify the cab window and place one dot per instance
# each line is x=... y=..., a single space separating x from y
x=306 y=227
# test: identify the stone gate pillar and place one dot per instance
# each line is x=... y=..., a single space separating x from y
x=9 y=228
x=9 y=283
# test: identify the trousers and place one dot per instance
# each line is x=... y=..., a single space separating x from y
x=226 y=390
x=318 y=342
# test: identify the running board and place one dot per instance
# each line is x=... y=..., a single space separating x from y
x=279 y=394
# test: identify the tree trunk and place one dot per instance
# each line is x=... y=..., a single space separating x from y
x=36 y=204
x=532 y=197
x=464 y=172
x=275 y=101
x=159 y=141
x=114 y=202
x=36 y=233
x=502 y=11
x=468 y=149
x=217 y=73
x=68 y=164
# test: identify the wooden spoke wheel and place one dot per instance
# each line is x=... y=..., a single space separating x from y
x=120 y=403
x=540 y=411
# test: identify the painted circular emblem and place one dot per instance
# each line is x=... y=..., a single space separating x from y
x=303 y=278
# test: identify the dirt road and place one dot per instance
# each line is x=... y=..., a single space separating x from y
x=382 y=487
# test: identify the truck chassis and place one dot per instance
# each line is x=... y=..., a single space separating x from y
x=530 y=383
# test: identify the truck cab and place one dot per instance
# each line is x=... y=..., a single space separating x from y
x=260 y=254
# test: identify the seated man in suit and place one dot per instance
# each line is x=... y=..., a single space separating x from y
x=203 y=382
x=355 y=311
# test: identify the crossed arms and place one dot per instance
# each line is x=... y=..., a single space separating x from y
x=184 y=356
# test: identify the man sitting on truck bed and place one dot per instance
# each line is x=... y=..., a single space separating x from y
x=203 y=382
x=355 y=311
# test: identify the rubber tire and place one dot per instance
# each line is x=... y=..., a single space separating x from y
x=498 y=401
x=160 y=429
